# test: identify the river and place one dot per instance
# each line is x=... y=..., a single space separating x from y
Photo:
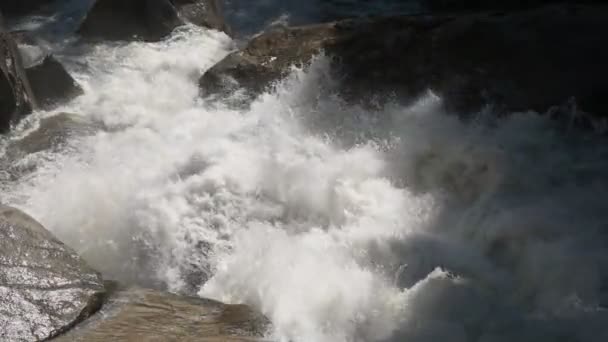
x=338 y=222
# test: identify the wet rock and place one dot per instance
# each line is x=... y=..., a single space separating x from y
x=45 y=287
x=520 y=60
x=16 y=97
x=205 y=13
x=148 y=20
x=53 y=133
x=130 y=20
x=51 y=84
x=147 y=315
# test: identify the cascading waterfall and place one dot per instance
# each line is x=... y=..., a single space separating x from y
x=338 y=222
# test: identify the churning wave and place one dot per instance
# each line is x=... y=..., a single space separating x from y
x=339 y=222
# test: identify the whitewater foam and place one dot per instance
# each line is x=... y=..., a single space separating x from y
x=339 y=223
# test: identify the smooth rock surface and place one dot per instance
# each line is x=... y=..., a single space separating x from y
x=522 y=60
x=136 y=315
x=51 y=83
x=148 y=20
x=21 y=7
x=130 y=20
x=45 y=287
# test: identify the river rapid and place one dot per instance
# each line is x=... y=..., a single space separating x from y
x=338 y=222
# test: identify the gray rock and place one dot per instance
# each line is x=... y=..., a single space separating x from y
x=16 y=97
x=521 y=60
x=54 y=132
x=45 y=287
x=147 y=315
x=148 y=20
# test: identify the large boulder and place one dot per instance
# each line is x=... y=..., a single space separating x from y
x=521 y=60
x=21 y=7
x=50 y=82
x=147 y=315
x=148 y=20
x=45 y=287
x=16 y=97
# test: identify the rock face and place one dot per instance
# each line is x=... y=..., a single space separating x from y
x=16 y=97
x=21 y=7
x=147 y=315
x=148 y=20
x=521 y=60
x=45 y=288
x=51 y=83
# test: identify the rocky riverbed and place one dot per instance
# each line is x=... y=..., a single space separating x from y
x=200 y=170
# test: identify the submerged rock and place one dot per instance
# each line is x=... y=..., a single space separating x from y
x=148 y=20
x=54 y=132
x=147 y=315
x=522 y=60
x=45 y=287
x=58 y=132
x=16 y=97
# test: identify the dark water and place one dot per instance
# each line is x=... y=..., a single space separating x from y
x=246 y=16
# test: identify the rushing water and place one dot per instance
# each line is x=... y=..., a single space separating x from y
x=340 y=224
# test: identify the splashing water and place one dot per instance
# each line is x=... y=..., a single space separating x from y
x=339 y=223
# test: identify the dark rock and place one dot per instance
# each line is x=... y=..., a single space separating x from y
x=148 y=20
x=51 y=83
x=148 y=315
x=45 y=288
x=468 y=5
x=130 y=20
x=21 y=7
x=521 y=60
x=16 y=97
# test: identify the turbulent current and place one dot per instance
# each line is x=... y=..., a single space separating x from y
x=339 y=223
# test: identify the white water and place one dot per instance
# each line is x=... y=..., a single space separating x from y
x=338 y=223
